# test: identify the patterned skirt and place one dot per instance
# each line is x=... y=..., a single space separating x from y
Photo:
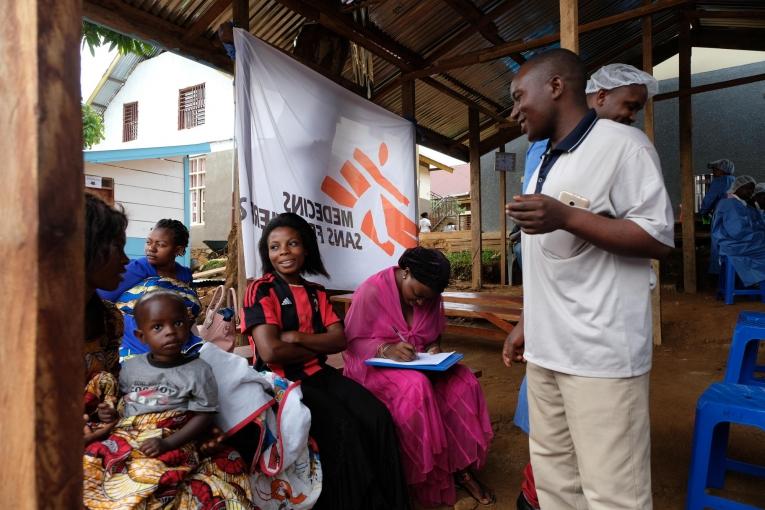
x=117 y=475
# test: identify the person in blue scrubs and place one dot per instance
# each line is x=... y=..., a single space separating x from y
x=759 y=198
x=722 y=180
x=616 y=92
x=738 y=232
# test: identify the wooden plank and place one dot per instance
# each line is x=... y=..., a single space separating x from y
x=503 y=50
x=501 y=137
x=476 y=331
x=711 y=86
x=241 y=14
x=648 y=126
x=432 y=162
x=462 y=99
x=441 y=143
x=137 y=23
x=475 y=197
x=408 y=101
x=209 y=273
x=203 y=22
x=451 y=242
x=42 y=232
x=569 y=23
x=686 y=161
x=502 y=225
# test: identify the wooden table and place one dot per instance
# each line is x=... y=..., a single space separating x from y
x=501 y=311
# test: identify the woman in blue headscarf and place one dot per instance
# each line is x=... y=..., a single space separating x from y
x=738 y=232
x=722 y=180
x=157 y=270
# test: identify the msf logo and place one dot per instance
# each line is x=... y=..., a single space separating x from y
x=398 y=227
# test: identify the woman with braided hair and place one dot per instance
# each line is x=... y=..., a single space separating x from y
x=442 y=421
x=158 y=270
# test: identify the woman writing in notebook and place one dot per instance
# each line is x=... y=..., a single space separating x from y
x=443 y=425
x=293 y=328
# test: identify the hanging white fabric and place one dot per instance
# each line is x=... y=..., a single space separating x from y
x=309 y=146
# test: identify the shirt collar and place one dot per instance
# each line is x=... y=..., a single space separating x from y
x=578 y=134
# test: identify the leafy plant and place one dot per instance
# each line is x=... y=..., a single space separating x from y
x=462 y=264
x=214 y=264
x=94 y=36
x=92 y=127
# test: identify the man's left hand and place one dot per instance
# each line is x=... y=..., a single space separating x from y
x=290 y=337
x=538 y=214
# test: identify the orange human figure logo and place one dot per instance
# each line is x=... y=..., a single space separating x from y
x=398 y=227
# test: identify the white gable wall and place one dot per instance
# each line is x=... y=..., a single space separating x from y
x=155 y=84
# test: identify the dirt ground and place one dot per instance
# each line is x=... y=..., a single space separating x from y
x=696 y=334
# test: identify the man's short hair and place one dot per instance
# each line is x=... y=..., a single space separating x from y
x=564 y=63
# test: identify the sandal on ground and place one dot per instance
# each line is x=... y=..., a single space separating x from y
x=484 y=495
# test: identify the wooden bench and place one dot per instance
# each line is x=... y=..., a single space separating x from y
x=501 y=311
x=333 y=360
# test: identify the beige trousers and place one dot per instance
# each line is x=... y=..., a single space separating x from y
x=590 y=441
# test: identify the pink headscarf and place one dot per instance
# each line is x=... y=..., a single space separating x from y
x=375 y=311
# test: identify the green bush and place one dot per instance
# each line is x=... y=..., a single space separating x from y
x=462 y=265
x=213 y=264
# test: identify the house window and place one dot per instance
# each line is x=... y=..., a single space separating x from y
x=191 y=106
x=197 y=188
x=129 y=121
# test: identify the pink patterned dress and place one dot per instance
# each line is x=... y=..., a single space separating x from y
x=442 y=421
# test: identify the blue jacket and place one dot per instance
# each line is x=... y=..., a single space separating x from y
x=718 y=189
x=533 y=156
x=738 y=232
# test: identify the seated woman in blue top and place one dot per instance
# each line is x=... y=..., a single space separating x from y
x=722 y=180
x=738 y=232
x=157 y=270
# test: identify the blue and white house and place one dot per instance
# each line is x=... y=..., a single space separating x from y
x=168 y=148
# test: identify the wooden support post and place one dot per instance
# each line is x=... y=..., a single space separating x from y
x=41 y=247
x=648 y=124
x=503 y=277
x=686 y=161
x=241 y=14
x=408 y=101
x=569 y=25
x=475 y=197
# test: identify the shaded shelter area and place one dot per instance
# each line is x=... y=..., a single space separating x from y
x=444 y=64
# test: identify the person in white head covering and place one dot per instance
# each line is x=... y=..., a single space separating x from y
x=616 y=92
x=619 y=91
x=722 y=179
x=759 y=197
x=738 y=232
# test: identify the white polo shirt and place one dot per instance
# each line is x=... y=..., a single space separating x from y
x=587 y=312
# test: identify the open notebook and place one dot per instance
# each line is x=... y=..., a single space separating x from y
x=436 y=362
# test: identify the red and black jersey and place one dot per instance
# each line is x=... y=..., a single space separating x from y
x=304 y=307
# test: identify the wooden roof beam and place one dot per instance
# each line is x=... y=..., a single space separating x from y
x=477 y=19
x=459 y=97
x=451 y=42
x=129 y=20
x=752 y=39
x=737 y=14
x=380 y=44
x=503 y=50
x=500 y=138
x=711 y=86
x=203 y=22
x=437 y=141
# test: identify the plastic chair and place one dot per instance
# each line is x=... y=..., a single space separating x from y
x=726 y=284
x=719 y=406
x=742 y=358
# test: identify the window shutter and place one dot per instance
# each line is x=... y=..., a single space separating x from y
x=191 y=106
x=129 y=121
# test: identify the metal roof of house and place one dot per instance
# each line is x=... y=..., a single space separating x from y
x=114 y=79
x=408 y=36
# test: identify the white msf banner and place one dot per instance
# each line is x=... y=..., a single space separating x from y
x=306 y=145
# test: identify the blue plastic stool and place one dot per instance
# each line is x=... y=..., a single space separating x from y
x=719 y=406
x=726 y=284
x=742 y=358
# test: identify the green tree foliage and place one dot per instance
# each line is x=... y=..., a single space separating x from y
x=92 y=127
x=94 y=36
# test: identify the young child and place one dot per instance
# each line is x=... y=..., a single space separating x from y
x=169 y=401
x=292 y=326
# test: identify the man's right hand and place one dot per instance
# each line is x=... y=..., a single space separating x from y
x=513 y=348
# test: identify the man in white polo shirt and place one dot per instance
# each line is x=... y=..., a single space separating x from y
x=599 y=211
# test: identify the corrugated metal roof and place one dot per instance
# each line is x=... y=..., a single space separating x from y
x=114 y=78
x=423 y=27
